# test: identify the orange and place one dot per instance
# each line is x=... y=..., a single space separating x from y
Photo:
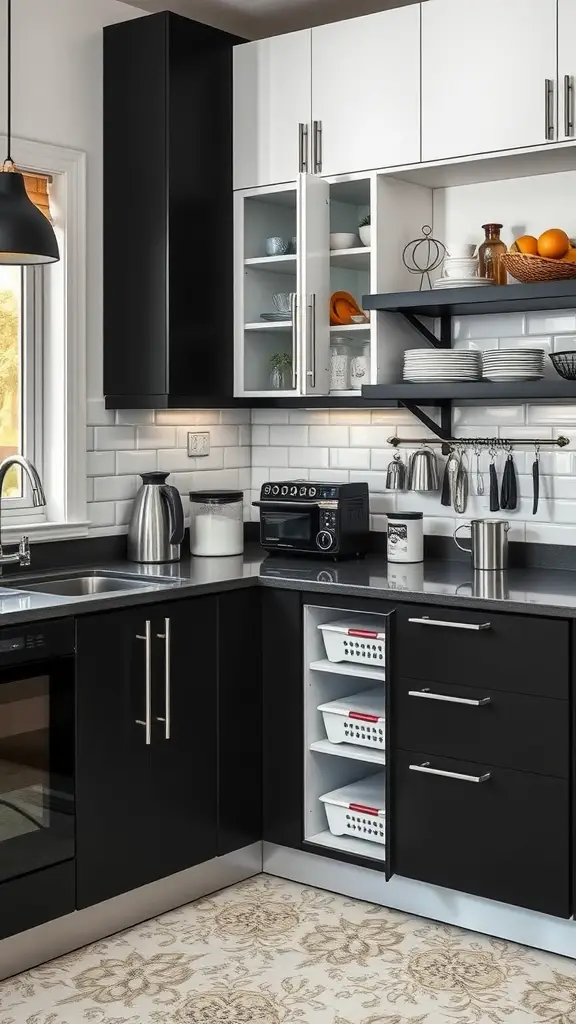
x=526 y=243
x=570 y=256
x=553 y=244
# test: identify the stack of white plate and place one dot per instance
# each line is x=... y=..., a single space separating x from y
x=441 y=364
x=513 y=364
x=461 y=282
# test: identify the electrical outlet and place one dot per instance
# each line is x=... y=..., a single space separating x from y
x=198 y=445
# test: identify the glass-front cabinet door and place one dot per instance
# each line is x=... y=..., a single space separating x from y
x=282 y=289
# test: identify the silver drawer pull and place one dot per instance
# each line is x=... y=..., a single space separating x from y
x=427 y=770
x=451 y=700
x=426 y=621
x=147 y=723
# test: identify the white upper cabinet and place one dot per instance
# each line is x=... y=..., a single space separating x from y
x=366 y=91
x=271 y=102
x=566 y=70
x=488 y=75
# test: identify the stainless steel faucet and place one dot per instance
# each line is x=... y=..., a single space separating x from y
x=22 y=556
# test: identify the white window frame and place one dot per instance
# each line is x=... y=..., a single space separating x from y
x=59 y=385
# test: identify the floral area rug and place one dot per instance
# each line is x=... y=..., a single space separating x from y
x=269 y=951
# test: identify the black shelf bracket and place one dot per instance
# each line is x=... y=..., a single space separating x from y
x=443 y=430
x=445 y=339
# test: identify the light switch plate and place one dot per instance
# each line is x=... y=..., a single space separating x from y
x=198 y=445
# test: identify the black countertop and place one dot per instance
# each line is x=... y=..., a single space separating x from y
x=451 y=583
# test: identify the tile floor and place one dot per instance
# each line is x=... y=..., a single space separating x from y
x=269 y=951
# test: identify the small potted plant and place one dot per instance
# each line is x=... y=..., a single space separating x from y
x=281 y=371
x=364 y=230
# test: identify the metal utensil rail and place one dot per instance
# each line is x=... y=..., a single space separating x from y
x=482 y=442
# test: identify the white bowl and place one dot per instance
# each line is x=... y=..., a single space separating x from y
x=461 y=249
x=343 y=240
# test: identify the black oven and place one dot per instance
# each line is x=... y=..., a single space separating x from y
x=314 y=518
x=36 y=747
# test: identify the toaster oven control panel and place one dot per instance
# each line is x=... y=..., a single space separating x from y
x=296 y=491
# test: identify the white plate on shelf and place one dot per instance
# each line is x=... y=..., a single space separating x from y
x=462 y=282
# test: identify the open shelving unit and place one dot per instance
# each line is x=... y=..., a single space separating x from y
x=441 y=306
x=329 y=766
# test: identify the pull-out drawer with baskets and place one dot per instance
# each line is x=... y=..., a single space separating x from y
x=358 y=719
x=483 y=830
x=512 y=730
x=522 y=654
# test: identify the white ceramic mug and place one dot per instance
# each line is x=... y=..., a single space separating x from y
x=461 y=250
x=460 y=267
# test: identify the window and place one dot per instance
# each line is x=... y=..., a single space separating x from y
x=21 y=348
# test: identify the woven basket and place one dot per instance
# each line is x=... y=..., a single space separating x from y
x=527 y=268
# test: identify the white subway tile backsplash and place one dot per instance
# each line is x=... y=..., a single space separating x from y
x=135 y=462
x=89 y=439
x=89 y=489
x=376 y=481
x=332 y=436
x=505 y=325
x=101 y=513
x=489 y=416
x=123 y=512
x=370 y=437
x=223 y=436
x=245 y=435
x=97 y=415
x=154 y=437
x=289 y=435
x=329 y=476
x=350 y=458
x=235 y=416
x=236 y=458
x=100 y=463
x=564 y=342
x=115 y=488
x=115 y=438
x=312 y=458
x=270 y=416
x=260 y=435
x=309 y=416
x=551 y=415
x=550 y=533
x=551 y=321
x=177 y=460
x=269 y=457
x=134 y=417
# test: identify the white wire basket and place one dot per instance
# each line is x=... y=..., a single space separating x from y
x=358 y=719
x=358 y=810
x=351 y=641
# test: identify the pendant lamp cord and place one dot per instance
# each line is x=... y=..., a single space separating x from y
x=9 y=84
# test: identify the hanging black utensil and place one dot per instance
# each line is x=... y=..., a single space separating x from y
x=446 y=496
x=509 y=495
x=494 y=502
x=536 y=481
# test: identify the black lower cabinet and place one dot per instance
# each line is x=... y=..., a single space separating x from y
x=282 y=718
x=36 y=898
x=505 y=838
x=239 y=720
x=146 y=745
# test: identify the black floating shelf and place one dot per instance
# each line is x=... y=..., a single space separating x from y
x=482 y=389
x=193 y=402
x=511 y=298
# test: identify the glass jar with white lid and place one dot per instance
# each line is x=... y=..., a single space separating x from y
x=216 y=523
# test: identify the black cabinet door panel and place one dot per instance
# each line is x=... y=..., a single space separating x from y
x=511 y=730
x=522 y=654
x=506 y=838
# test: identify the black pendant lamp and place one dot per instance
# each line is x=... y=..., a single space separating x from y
x=26 y=235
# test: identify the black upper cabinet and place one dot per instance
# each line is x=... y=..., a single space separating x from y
x=168 y=271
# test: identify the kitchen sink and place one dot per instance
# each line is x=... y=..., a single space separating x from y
x=87 y=584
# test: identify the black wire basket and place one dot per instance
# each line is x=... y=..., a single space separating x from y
x=565 y=364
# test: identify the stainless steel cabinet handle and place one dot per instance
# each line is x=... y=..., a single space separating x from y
x=451 y=700
x=302 y=148
x=427 y=770
x=549 y=109
x=317 y=128
x=165 y=636
x=426 y=621
x=294 y=312
x=568 y=106
x=312 y=334
x=147 y=723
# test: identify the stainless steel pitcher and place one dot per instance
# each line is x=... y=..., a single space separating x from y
x=156 y=528
x=489 y=538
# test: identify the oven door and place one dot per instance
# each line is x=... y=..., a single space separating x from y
x=36 y=766
x=289 y=525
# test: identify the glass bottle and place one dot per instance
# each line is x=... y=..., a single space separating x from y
x=489 y=253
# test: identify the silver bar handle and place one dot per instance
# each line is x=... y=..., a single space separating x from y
x=294 y=313
x=317 y=128
x=303 y=148
x=568 y=106
x=549 y=109
x=165 y=636
x=147 y=723
x=427 y=770
x=311 y=372
x=427 y=621
x=450 y=700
